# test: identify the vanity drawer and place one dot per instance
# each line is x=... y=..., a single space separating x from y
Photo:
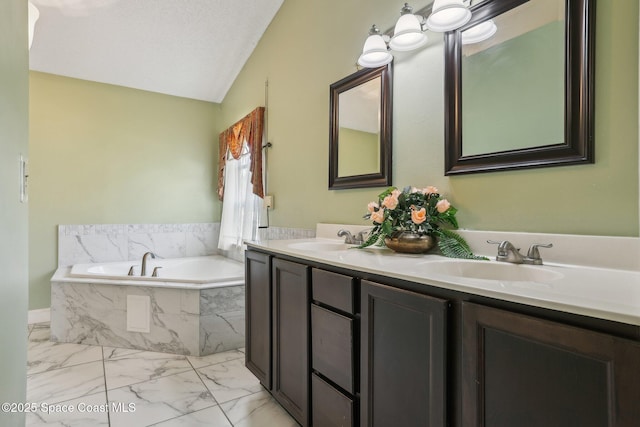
x=332 y=346
x=333 y=289
x=330 y=408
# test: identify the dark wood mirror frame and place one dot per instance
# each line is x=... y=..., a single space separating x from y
x=383 y=177
x=579 y=96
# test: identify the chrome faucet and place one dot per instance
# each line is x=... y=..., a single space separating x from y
x=350 y=239
x=155 y=271
x=509 y=253
x=361 y=237
x=143 y=271
x=533 y=256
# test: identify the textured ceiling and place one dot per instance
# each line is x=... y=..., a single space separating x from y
x=188 y=48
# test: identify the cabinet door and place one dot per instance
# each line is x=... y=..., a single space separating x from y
x=528 y=372
x=258 y=315
x=403 y=348
x=291 y=369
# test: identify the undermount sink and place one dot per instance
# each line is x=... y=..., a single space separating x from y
x=320 y=246
x=489 y=270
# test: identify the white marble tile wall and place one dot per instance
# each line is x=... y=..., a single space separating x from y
x=273 y=233
x=222 y=319
x=96 y=314
x=124 y=242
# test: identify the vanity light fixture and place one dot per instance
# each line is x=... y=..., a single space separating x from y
x=33 y=14
x=375 y=52
x=447 y=15
x=480 y=32
x=409 y=31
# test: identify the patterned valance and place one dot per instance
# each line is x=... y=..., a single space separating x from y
x=250 y=128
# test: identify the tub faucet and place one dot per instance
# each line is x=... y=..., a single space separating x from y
x=143 y=271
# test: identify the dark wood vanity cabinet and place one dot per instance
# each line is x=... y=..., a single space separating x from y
x=402 y=364
x=528 y=372
x=258 y=315
x=290 y=316
x=277 y=329
x=333 y=349
x=343 y=348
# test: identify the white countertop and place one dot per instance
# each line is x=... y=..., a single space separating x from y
x=606 y=293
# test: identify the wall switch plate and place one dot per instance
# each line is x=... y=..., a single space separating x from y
x=267 y=202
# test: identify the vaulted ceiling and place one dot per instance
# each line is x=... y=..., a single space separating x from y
x=187 y=48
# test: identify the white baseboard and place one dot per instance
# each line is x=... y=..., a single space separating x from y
x=39 y=316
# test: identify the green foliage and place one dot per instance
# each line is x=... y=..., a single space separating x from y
x=452 y=245
x=373 y=238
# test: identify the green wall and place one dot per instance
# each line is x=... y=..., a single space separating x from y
x=514 y=93
x=14 y=96
x=358 y=152
x=310 y=45
x=103 y=154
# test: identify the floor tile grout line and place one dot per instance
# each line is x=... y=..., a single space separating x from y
x=148 y=380
x=210 y=392
x=106 y=390
x=184 y=415
x=61 y=367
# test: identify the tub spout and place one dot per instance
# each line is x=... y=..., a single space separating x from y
x=143 y=271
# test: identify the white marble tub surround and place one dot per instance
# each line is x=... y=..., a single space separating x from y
x=91 y=243
x=605 y=285
x=284 y=233
x=185 y=318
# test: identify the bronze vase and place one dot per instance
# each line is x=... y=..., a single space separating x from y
x=409 y=242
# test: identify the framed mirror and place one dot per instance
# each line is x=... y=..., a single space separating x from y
x=360 y=130
x=522 y=98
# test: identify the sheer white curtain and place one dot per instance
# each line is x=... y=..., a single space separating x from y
x=240 y=208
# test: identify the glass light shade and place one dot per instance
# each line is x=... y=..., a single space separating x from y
x=407 y=34
x=448 y=15
x=375 y=53
x=34 y=15
x=479 y=33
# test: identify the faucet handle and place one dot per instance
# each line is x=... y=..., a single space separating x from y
x=503 y=246
x=534 y=255
x=348 y=237
x=500 y=244
x=361 y=236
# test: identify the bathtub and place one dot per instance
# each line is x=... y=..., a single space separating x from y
x=194 y=307
x=211 y=271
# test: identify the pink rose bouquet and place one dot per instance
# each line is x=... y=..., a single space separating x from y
x=422 y=211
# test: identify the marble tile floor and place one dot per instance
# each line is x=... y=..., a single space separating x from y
x=85 y=386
